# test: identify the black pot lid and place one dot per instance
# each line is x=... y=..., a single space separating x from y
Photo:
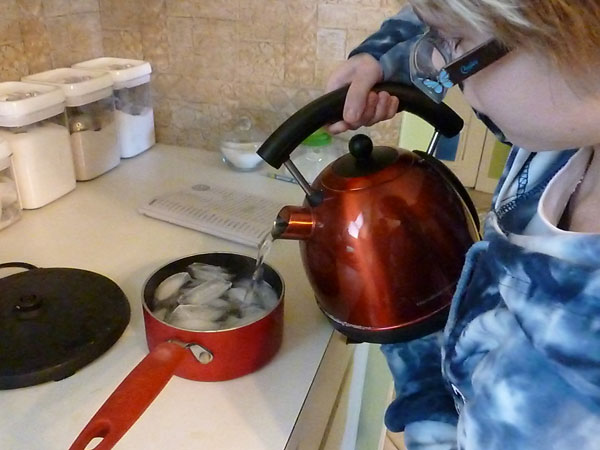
x=54 y=321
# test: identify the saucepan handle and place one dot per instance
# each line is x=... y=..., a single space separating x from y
x=329 y=109
x=131 y=398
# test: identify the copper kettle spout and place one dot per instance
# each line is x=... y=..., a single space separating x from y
x=293 y=222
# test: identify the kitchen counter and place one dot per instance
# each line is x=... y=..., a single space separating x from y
x=97 y=227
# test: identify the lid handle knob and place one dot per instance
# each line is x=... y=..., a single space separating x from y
x=28 y=307
x=361 y=147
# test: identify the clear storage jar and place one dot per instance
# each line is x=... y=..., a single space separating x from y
x=133 y=101
x=91 y=118
x=94 y=138
x=10 y=208
x=33 y=123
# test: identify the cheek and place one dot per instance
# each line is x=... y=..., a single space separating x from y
x=479 y=94
x=495 y=87
x=527 y=104
x=506 y=92
x=529 y=100
x=502 y=106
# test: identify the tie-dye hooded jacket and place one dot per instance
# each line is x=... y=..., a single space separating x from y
x=518 y=364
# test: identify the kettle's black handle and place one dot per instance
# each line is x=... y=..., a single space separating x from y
x=330 y=107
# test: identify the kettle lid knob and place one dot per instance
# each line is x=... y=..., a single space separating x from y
x=364 y=159
x=360 y=146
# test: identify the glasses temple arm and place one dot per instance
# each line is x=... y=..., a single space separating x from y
x=475 y=60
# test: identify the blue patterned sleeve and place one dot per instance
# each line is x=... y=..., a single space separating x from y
x=423 y=408
x=557 y=304
x=391 y=45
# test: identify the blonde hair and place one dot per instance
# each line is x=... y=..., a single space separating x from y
x=565 y=31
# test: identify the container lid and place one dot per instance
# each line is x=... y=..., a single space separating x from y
x=25 y=103
x=56 y=321
x=319 y=138
x=125 y=73
x=79 y=86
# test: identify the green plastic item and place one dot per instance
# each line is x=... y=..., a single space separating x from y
x=318 y=139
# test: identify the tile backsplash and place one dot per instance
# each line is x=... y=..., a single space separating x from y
x=213 y=60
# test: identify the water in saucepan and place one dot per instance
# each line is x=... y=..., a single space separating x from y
x=206 y=297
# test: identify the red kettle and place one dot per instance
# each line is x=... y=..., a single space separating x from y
x=383 y=231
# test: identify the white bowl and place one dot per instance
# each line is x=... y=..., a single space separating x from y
x=241 y=156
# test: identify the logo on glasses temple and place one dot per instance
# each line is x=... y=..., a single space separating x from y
x=468 y=67
x=438 y=85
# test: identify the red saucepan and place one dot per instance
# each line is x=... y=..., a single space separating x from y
x=196 y=355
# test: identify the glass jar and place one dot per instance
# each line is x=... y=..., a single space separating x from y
x=10 y=208
x=135 y=118
x=94 y=139
x=133 y=101
x=33 y=124
x=91 y=118
x=239 y=145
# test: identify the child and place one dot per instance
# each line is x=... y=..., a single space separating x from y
x=518 y=364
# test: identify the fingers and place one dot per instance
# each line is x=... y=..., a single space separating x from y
x=361 y=72
x=342 y=75
x=366 y=114
x=381 y=109
x=393 y=107
x=378 y=107
x=387 y=107
x=370 y=109
x=356 y=99
x=338 y=127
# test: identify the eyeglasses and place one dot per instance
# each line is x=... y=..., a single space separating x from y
x=434 y=70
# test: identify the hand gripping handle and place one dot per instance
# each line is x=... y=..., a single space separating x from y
x=329 y=109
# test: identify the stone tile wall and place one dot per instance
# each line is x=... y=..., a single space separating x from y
x=213 y=60
x=37 y=35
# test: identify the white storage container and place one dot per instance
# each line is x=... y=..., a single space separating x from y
x=33 y=122
x=10 y=209
x=91 y=117
x=133 y=101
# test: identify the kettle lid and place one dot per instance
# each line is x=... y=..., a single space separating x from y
x=364 y=162
x=364 y=159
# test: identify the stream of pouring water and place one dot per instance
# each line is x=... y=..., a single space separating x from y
x=263 y=250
